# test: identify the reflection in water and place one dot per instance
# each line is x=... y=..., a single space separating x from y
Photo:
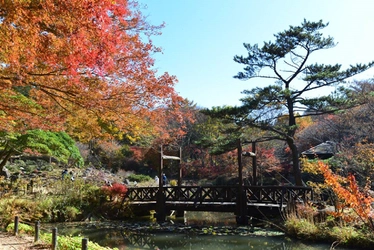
x=209 y=218
x=178 y=241
x=215 y=232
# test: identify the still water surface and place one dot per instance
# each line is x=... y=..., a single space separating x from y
x=197 y=231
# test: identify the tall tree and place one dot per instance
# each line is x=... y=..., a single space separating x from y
x=83 y=64
x=286 y=62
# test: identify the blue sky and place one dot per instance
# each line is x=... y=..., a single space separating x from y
x=201 y=38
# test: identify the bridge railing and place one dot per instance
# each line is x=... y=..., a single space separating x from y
x=202 y=193
x=253 y=194
x=142 y=193
x=277 y=194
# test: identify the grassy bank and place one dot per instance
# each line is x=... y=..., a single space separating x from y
x=307 y=223
x=63 y=242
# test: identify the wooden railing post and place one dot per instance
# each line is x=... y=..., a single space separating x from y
x=54 y=238
x=37 y=227
x=84 y=244
x=16 y=220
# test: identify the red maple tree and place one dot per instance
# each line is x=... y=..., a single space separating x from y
x=81 y=65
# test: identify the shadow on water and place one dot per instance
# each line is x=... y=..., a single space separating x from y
x=197 y=231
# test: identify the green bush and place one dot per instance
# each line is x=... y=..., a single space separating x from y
x=16 y=165
x=69 y=243
x=62 y=200
x=31 y=167
x=22 y=228
x=74 y=198
x=72 y=213
x=301 y=228
x=63 y=242
x=350 y=236
x=139 y=178
x=46 y=167
x=27 y=210
x=173 y=183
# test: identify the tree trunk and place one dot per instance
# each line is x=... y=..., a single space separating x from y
x=6 y=157
x=295 y=162
x=291 y=143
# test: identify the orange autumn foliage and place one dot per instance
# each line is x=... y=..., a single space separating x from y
x=84 y=66
x=349 y=195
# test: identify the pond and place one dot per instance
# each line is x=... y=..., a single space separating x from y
x=198 y=230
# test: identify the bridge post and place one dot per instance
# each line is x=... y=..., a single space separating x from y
x=241 y=201
x=254 y=164
x=160 y=205
x=160 y=211
x=179 y=212
x=180 y=168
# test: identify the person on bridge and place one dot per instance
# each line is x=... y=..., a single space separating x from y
x=156 y=180
x=164 y=179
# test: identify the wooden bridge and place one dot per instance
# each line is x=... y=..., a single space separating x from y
x=243 y=201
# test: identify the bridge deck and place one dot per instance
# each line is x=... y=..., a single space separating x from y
x=189 y=203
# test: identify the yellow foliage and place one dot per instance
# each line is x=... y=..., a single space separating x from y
x=309 y=166
x=304 y=122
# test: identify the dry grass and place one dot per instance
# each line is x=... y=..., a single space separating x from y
x=310 y=224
